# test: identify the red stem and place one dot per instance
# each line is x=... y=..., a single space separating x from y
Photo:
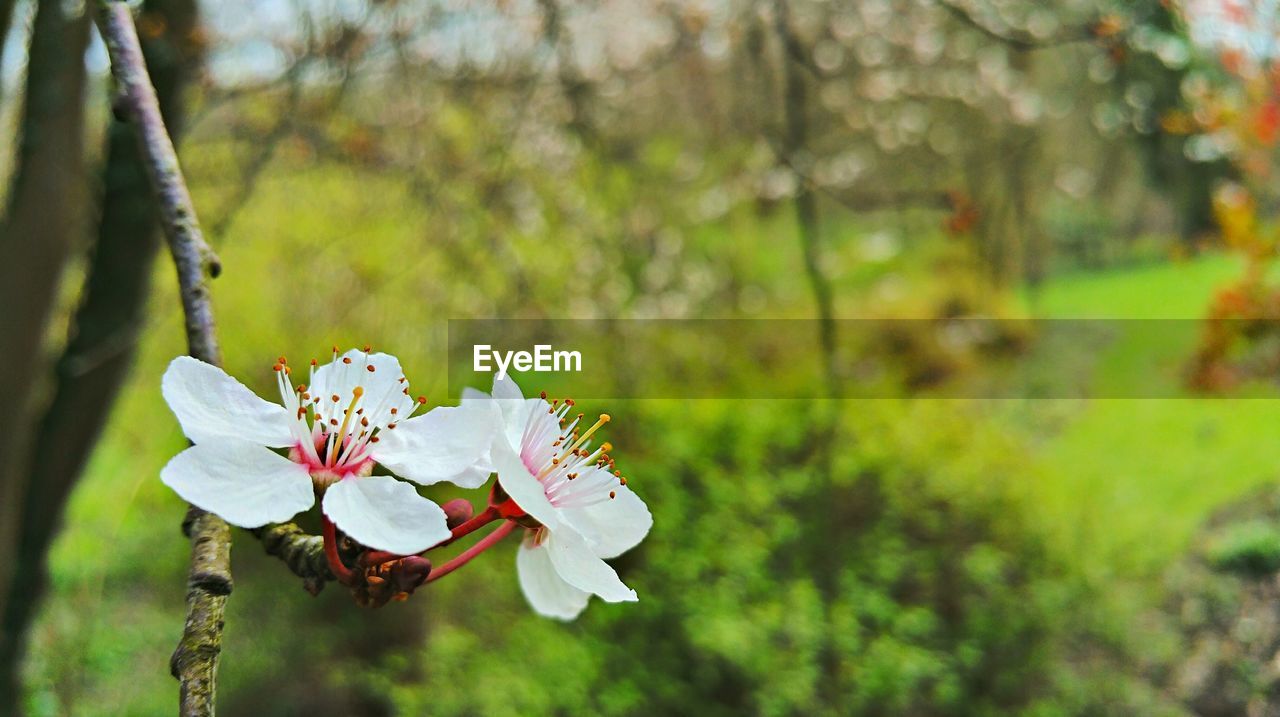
x=377 y=557
x=481 y=519
x=509 y=509
x=340 y=570
x=465 y=556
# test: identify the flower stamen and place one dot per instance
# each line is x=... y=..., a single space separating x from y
x=340 y=437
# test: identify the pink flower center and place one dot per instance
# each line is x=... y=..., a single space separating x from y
x=325 y=473
x=572 y=475
x=339 y=418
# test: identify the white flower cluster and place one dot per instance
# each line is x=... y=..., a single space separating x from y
x=254 y=462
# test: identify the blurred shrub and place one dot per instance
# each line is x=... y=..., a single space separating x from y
x=1080 y=239
x=1240 y=339
x=1251 y=548
x=877 y=569
x=867 y=558
x=1221 y=604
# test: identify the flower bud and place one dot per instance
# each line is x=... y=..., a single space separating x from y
x=394 y=580
x=409 y=573
x=458 y=511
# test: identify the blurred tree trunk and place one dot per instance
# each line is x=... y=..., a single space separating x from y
x=6 y=20
x=795 y=106
x=44 y=215
x=1005 y=184
x=103 y=334
x=1007 y=240
x=1020 y=156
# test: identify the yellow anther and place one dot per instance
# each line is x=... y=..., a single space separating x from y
x=604 y=418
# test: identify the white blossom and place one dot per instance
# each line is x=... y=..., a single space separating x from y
x=585 y=512
x=355 y=412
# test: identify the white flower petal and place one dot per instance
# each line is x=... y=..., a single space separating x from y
x=613 y=526
x=474 y=395
x=523 y=488
x=211 y=405
x=516 y=416
x=512 y=405
x=473 y=477
x=438 y=445
x=383 y=389
x=243 y=482
x=506 y=388
x=546 y=591
x=578 y=565
x=385 y=514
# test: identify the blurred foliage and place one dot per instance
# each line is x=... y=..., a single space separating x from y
x=873 y=557
x=1249 y=549
x=1240 y=342
x=747 y=516
x=770 y=588
x=928 y=565
x=1221 y=601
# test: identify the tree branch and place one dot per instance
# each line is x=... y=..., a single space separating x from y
x=137 y=99
x=1022 y=42
x=195 y=661
x=302 y=552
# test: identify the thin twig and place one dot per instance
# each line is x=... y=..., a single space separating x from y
x=302 y=552
x=1021 y=42
x=195 y=661
x=858 y=201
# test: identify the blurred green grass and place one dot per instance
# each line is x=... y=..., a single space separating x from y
x=1129 y=480
x=1166 y=290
